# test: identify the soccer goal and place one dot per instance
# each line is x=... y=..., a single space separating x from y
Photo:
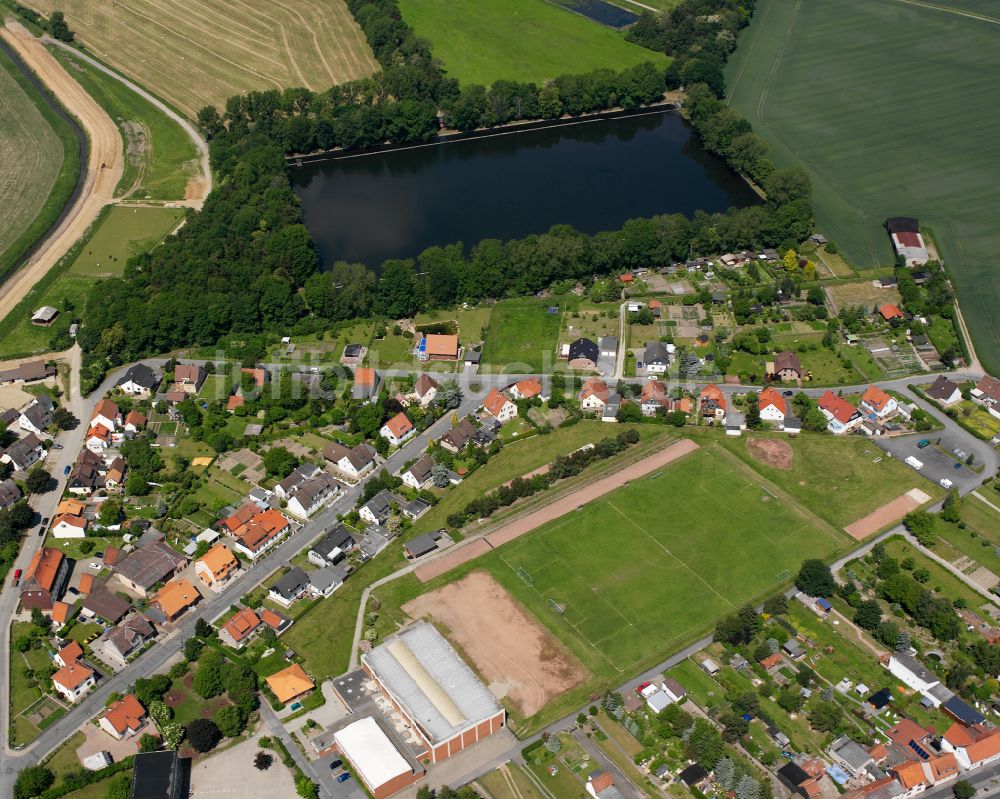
x=528 y=580
x=558 y=607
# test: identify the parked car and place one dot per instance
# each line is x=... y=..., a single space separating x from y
x=41 y=531
x=45 y=521
x=788 y=393
x=17 y=576
x=923 y=443
x=336 y=764
x=67 y=469
x=957 y=466
x=344 y=777
x=945 y=483
x=57 y=446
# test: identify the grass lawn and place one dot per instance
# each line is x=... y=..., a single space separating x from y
x=41 y=164
x=216 y=387
x=159 y=156
x=522 y=335
x=126 y=232
x=392 y=351
x=64 y=759
x=97 y=790
x=979 y=540
x=481 y=41
x=819 y=81
x=22 y=690
x=942 y=581
x=472 y=322
x=979 y=421
x=826 y=368
x=834 y=477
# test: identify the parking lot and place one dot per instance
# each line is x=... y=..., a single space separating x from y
x=939 y=462
x=328 y=776
x=230 y=774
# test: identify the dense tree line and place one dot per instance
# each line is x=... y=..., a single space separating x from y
x=698 y=35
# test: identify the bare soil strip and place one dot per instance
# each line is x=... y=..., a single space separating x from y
x=99 y=183
x=570 y=502
x=887 y=514
x=520 y=659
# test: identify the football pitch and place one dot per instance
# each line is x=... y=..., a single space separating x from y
x=889 y=106
x=629 y=578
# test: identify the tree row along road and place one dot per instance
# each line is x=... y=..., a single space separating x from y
x=100 y=181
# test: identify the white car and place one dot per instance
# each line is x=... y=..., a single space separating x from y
x=945 y=483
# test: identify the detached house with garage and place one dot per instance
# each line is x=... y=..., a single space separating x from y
x=123 y=718
x=786 y=367
x=139 y=381
x=418 y=474
x=712 y=403
x=499 y=406
x=945 y=392
x=526 y=389
x=842 y=417
x=656 y=358
x=425 y=389
x=773 y=407
x=876 y=401
x=37 y=415
x=353 y=462
x=107 y=415
x=23 y=453
x=987 y=394
x=73 y=681
x=595 y=396
x=217 y=567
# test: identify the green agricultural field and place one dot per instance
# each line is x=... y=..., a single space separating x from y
x=835 y=478
x=160 y=157
x=41 y=164
x=119 y=233
x=888 y=105
x=522 y=336
x=647 y=568
x=481 y=41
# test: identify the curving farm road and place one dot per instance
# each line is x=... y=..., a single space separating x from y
x=100 y=182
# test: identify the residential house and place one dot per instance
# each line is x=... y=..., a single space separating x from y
x=414 y=509
x=957 y=708
x=298 y=476
x=134 y=422
x=123 y=718
x=526 y=389
x=68 y=526
x=772 y=405
x=654 y=398
x=312 y=495
x=944 y=391
x=772 y=662
x=88 y=474
x=174 y=599
x=656 y=358
x=117 y=645
x=398 y=429
x=9 y=493
x=189 y=378
x=712 y=403
x=674 y=690
x=275 y=619
x=102 y=604
x=583 y=354
x=595 y=395
x=332 y=547
x=37 y=415
x=842 y=417
x=325 y=581
x=456 y=439
x=73 y=681
x=23 y=453
x=44 y=579
x=70 y=653
x=365 y=384
x=354 y=462
x=152 y=562
x=438 y=347
x=851 y=756
x=114 y=480
x=377 y=509
x=418 y=474
x=912 y=673
x=499 y=406
x=289 y=588
x=98 y=438
x=235 y=401
x=876 y=401
x=979 y=748
x=787 y=367
x=240 y=628
x=425 y=389
x=106 y=413
x=217 y=567
x=987 y=394
x=290 y=683
x=261 y=533
x=890 y=313
x=139 y=381
x=353 y=354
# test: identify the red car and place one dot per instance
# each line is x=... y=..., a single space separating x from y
x=642 y=687
x=17 y=576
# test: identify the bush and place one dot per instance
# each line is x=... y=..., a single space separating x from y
x=32 y=781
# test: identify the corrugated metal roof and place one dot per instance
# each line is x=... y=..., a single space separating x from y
x=428 y=679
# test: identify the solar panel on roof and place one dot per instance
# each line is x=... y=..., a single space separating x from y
x=919 y=750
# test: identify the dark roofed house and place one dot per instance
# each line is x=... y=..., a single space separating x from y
x=460 y=435
x=421 y=545
x=961 y=712
x=139 y=381
x=29 y=372
x=153 y=562
x=692 y=775
x=353 y=461
x=101 y=602
x=583 y=354
x=332 y=547
x=944 y=391
x=9 y=493
x=787 y=366
x=377 y=509
x=23 y=452
x=880 y=699
x=290 y=587
x=419 y=473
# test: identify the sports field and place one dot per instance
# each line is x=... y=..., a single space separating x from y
x=160 y=157
x=40 y=164
x=521 y=337
x=890 y=105
x=629 y=578
x=481 y=41
x=197 y=54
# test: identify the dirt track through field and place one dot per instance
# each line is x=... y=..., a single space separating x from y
x=519 y=658
x=887 y=514
x=99 y=184
x=532 y=521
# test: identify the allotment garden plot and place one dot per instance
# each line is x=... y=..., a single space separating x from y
x=627 y=579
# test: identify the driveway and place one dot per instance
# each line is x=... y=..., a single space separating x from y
x=230 y=774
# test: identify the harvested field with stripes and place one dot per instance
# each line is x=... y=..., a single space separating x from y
x=197 y=54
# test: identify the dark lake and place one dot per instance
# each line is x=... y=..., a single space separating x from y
x=593 y=176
